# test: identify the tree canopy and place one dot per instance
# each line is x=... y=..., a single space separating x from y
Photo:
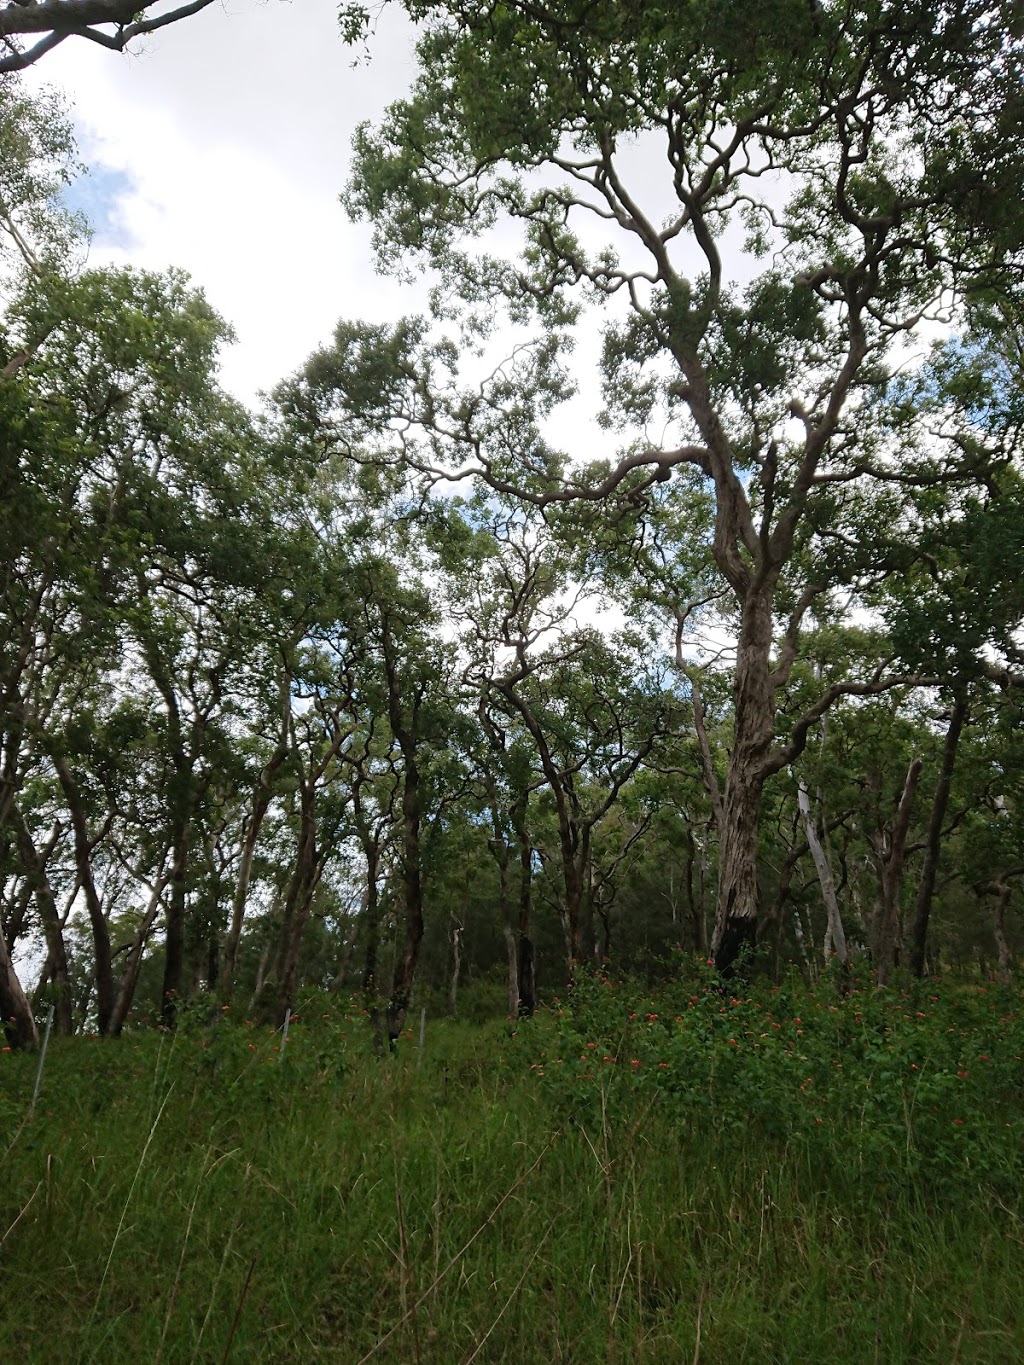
x=658 y=590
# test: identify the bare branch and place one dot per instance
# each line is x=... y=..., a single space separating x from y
x=60 y=19
x=783 y=755
x=662 y=462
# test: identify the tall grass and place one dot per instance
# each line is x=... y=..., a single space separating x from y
x=505 y=1197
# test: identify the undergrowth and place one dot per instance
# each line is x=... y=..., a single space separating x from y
x=765 y=1176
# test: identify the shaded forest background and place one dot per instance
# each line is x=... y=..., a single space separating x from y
x=373 y=690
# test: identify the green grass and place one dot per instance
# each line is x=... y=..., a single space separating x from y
x=509 y=1198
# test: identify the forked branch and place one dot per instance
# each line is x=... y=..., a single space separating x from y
x=111 y=23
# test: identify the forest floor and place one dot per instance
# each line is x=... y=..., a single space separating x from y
x=673 y=1176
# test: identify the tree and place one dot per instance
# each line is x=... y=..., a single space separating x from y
x=145 y=538
x=836 y=179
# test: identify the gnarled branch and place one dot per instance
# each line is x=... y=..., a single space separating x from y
x=111 y=23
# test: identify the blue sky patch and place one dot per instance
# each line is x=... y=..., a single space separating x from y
x=97 y=194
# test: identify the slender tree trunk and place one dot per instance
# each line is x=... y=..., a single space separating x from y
x=17 y=916
x=229 y=958
x=695 y=902
x=707 y=760
x=133 y=963
x=18 y=1022
x=412 y=881
x=572 y=881
x=887 y=933
x=602 y=944
x=412 y=861
x=453 y=985
x=174 y=944
x=35 y=866
x=798 y=934
x=371 y=938
x=568 y=827
x=260 y=806
x=511 y=971
x=97 y=920
x=261 y=967
x=500 y=850
x=777 y=913
x=298 y=905
x=933 y=842
x=753 y=733
x=835 y=937
x=525 y=964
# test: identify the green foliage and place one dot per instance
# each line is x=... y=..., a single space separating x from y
x=193 y=1194
x=877 y=1090
x=38 y=159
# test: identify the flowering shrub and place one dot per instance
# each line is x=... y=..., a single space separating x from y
x=921 y=1086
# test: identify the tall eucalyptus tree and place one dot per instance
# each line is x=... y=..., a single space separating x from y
x=834 y=181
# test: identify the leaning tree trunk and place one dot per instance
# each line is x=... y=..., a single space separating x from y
x=254 y=823
x=297 y=908
x=888 y=923
x=15 y=1010
x=753 y=732
x=835 y=935
x=933 y=842
x=453 y=985
x=34 y=863
x=97 y=920
x=133 y=962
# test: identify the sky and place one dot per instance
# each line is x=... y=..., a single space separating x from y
x=220 y=145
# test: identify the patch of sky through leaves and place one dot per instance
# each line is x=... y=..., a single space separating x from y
x=98 y=194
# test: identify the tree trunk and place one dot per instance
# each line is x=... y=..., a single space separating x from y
x=97 y=919
x=500 y=850
x=297 y=907
x=888 y=925
x=260 y=806
x=174 y=943
x=1002 y=895
x=130 y=976
x=412 y=869
x=572 y=879
x=229 y=958
x=35 y=867
x=835 y=935
x=453 y=985
x=753 y=732
x=511 y=971
x=15 y=1010
x=698 y=924
x=525 y=967
x=933 y=843
x=371 y=939
x=412 y=881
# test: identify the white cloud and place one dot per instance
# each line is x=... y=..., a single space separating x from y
x=222 y=147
